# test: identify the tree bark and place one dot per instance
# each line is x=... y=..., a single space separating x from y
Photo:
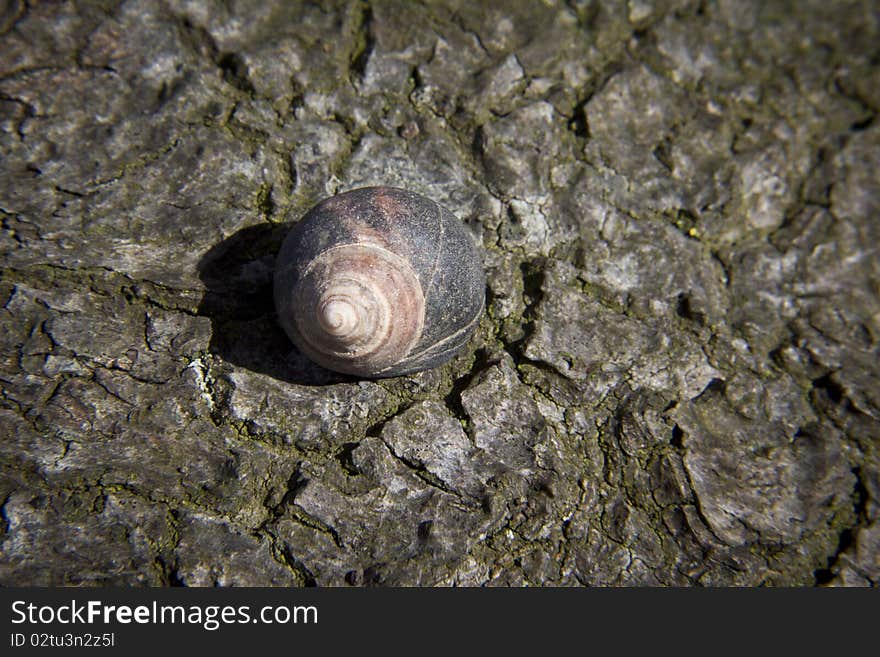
x=676 y=379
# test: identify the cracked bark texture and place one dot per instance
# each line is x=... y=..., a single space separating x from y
x=676 y=380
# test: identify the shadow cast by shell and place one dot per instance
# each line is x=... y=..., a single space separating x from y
x=237 y=274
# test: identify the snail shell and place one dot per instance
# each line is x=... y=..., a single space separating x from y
x=379 y=282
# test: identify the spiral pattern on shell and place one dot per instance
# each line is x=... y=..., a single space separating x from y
x=379 y=282
x=347 y=295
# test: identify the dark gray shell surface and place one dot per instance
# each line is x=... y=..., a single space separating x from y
x=435 y=243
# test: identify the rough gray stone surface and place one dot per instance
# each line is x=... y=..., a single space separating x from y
x=677 y=378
